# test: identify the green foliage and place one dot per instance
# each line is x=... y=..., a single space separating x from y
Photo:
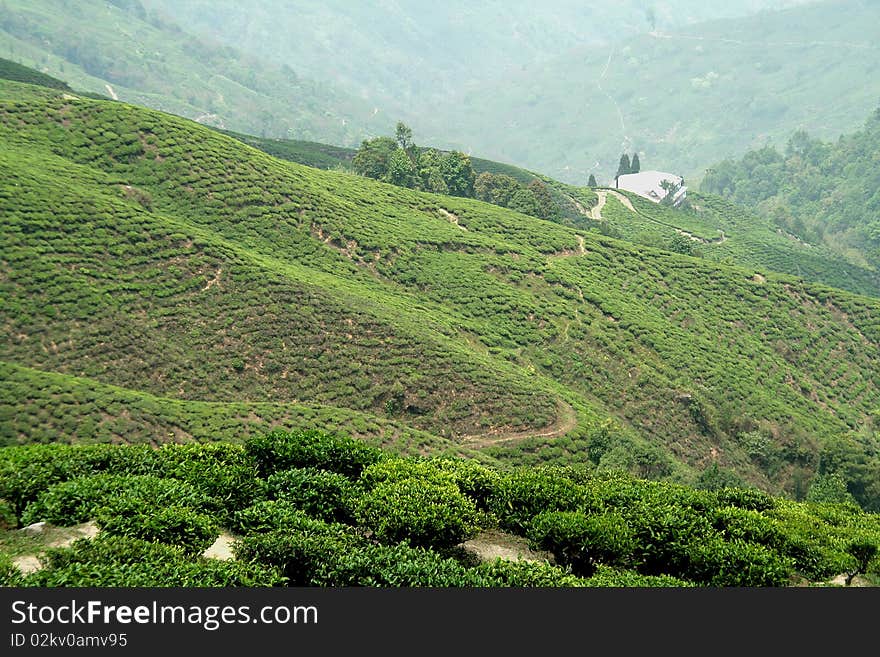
x=373 y=158
x=180 y=526
x=829 y=489
x=12 y=71
x=119 y=561
x=280 y=450
x=319 y=493
x=820 y=192
x=270 y=515
x=602 y=528
x=424 y=513
x=10 y=575
x=502 y=572
x=80 y=499
x=522 y=495
x=581 y=541
x=299 y=555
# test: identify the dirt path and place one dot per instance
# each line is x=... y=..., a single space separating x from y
x=596 y=210
x=452 y=218
x=221 y=548
x=596 y=215
x=494 y=544
x=566 y=420
x=51 y=536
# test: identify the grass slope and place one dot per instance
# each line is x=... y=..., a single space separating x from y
x=721 y=231
x=145 y=252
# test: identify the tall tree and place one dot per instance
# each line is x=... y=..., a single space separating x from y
x=373 y=157
x=401 y=171
x=458 y=174
x=592 y=181
x=635 y=166
x=546 y=207
x=624 y=167
x=404 y=136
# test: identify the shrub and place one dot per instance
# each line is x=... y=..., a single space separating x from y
x=10 y=575
x=27 y=471
x=298 y=555
x=279 y=450
x=502 y=572
x=520 y=496
x=737 y=563
x=320 y=493
x=183 y=527
x=270 y=515
x=580 y=541
x=607 y=576
x=734 y=523
x=222 y=471
x=422 y=513
x=77 y=500
x=391 y=566
x=744 y=498
x=129 y=562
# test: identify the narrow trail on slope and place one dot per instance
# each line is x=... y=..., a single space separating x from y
x=596 y=214
x=566 y=420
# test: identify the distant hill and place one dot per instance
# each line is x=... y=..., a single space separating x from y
x=822 y=192
x=565 y=87
x=10 y=70
x=121 y=50
x=153 y=266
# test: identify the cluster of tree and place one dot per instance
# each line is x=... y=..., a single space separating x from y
x=533 y=199
x=400 y=162
x=814 y=190
x=628 y=166
x=397 y=160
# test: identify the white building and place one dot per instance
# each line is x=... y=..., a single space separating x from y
x=648 y=185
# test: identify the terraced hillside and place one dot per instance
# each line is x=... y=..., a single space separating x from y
x=146 y=255
x=721 y=231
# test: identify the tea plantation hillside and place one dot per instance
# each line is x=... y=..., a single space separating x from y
x=317 y=509
x=708 y=226
x=719 y=230
x=222 y=290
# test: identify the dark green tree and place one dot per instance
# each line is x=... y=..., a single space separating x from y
x=635 y=165
x=458 y=174
x=430 y=173
x=401 y=171
x=497 y=189
x=525 y=201
x=404 y=136
x=373 y=157
x=546 y=207
x=592 y=181
x=624 y=167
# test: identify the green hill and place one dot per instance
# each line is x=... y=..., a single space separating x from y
x=120 y=49
x=718 y=230
x=821 y=192
x=145 y=255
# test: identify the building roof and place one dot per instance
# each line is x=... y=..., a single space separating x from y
x=647 y=183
